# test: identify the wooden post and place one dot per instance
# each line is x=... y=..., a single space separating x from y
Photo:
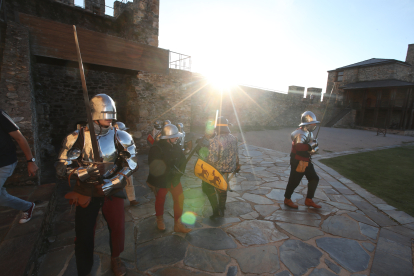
x=377 y=106
x=364 y=102
x=408 y=107
x=390 y=106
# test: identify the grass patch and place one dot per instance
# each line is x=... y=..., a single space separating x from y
x=388 y=174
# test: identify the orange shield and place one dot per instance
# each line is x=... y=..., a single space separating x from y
x=210 y=175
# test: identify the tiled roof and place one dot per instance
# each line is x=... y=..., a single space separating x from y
x=370 y=62
x=378 y=83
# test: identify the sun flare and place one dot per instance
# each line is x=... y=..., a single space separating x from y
x=221 y=81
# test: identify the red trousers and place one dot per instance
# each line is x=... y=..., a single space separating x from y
x=178 y=198
x=85 y=222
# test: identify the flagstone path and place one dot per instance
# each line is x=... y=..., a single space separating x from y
x=354 y=233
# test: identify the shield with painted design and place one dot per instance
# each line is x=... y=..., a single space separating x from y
x=210 y=175
x=150 y=139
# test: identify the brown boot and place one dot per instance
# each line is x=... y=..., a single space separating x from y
x=133 y=203
x=309 y=202
x=118 y=266
x=289 y=202
x=179 y=227
x=160 y=223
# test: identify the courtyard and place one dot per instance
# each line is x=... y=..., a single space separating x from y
x=354 y=233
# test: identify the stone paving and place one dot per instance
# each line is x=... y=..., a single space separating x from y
x=354 y=233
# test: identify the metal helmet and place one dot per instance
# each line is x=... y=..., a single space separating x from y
x=180 y=127
x=167 y=122
x=120 y=126
x=170 y=131
x=157 y=124
x=102 y=107
x=308 y=118
x=222 y=125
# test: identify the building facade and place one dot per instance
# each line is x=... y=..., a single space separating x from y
x=379 y=91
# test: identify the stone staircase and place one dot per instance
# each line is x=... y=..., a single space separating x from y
x=22 y=244
x=338 y=117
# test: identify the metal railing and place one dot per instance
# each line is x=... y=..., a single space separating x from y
x=180 y=61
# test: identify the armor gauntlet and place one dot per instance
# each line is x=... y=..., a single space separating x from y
x=117 y=181
x=314 y=144
x=84 y=173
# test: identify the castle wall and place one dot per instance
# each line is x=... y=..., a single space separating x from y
x=255 y=108
x=140 y=99
x=124 y=25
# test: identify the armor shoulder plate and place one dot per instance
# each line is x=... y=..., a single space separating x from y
x=300 y=136
x=68 y=143
x=124 y=138
x=127 y=142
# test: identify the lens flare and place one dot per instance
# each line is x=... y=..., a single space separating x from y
x=189 y=218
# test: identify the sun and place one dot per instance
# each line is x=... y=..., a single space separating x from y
x=221 y=81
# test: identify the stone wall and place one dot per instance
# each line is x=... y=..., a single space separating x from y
x=156 y=96
x=59 y=101
x=144 y=12
x=124 y=25
x=17 y=97
x=254 y=107
x=382 y=72
x=140 y=98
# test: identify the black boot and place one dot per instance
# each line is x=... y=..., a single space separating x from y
x=214 y=205
x=211 y=194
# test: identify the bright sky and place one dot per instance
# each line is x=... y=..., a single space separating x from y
x=274 y=44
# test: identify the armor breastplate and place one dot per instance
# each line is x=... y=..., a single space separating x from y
x=106 y=145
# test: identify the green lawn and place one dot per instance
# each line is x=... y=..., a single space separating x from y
x=388 y=174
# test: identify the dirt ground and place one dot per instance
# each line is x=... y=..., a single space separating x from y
x=330 y=139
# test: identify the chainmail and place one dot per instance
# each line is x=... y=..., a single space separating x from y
x=101 y=130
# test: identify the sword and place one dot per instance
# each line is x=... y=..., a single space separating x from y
x=189 y=176
x=96 y=156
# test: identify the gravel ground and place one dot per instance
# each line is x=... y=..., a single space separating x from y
x=330 y=139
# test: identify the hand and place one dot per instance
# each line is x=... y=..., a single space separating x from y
x=314 y=143
x=32 y=168
x=86 y=173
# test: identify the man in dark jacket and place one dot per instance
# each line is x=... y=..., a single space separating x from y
x=8 y=162
x=166 y=160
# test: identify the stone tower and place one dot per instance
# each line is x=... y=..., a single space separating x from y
x=410 y=59
x=95 y=6
x=145 y=13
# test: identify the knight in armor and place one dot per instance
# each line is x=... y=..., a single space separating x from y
x=304 y=145
x=156 y=131
x=158 y=128
x=224 y=156
x=166 y=162
x=99 y=185
x=181 y=140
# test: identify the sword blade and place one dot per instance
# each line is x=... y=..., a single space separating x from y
x=94 y=143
